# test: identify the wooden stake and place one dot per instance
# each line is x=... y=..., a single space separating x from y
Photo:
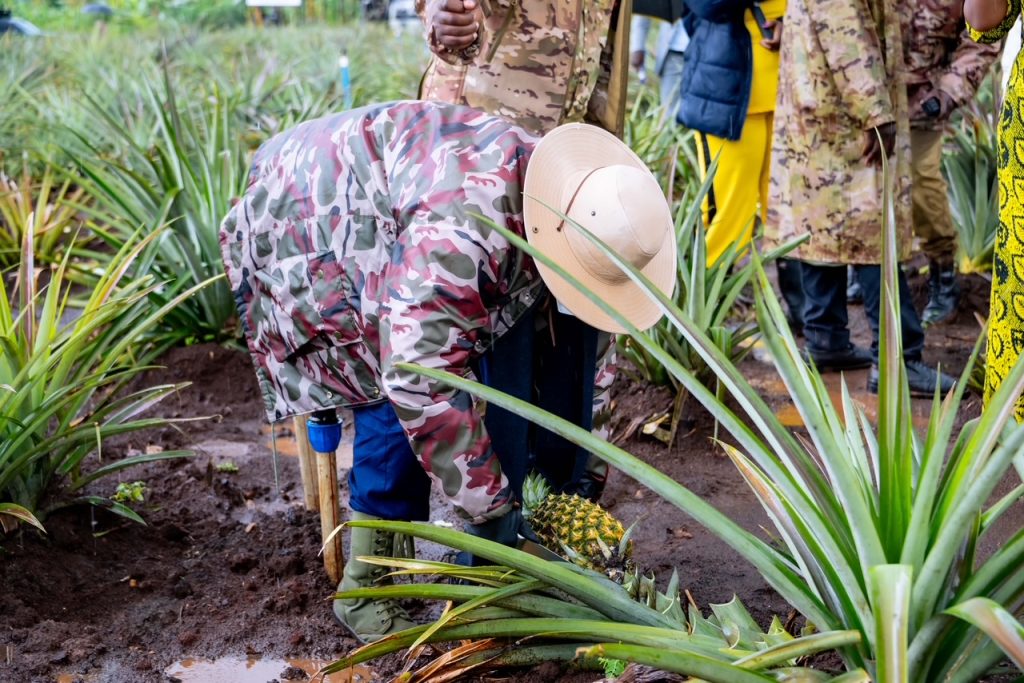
x=307 y=464
x=330 y=514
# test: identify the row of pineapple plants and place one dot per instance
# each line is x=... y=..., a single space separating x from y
x=121 y=153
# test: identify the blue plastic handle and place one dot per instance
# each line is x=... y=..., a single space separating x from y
x=324 y=437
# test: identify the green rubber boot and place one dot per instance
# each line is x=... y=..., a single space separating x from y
x=371 y=620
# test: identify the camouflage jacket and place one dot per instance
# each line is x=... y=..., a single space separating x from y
x=839 y=77
x=941 y=55
x=539 y=63
x=355 y=249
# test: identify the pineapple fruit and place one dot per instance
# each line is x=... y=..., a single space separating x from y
x=580 y=531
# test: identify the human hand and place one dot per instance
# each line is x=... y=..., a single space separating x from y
x=880 y=140
x=939 y=106
x=455 y=23
x=775 y=41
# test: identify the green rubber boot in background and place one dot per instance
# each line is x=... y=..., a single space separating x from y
x=371 y=620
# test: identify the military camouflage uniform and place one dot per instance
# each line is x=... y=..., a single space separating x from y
x=539 y=63
x=940 y=56
x=355 y=249
x=837 y=81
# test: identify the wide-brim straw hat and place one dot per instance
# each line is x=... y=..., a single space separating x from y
x=593 y=178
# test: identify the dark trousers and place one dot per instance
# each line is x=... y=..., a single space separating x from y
x=826 y=324
x=387 y=480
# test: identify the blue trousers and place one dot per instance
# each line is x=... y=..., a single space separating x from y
x=387 y=480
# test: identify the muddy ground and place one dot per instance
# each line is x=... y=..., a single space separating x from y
x=224 y=582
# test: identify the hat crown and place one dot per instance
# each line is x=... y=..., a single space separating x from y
x=619 y=205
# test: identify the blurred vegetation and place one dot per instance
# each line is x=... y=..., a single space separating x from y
x=122 y=144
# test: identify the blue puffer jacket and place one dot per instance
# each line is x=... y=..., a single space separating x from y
x=719 y=68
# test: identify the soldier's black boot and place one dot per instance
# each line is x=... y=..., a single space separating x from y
x=943 y=294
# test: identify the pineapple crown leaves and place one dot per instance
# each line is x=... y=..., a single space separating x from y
x=535 y=489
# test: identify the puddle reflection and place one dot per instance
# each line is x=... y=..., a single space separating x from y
x=254 y=669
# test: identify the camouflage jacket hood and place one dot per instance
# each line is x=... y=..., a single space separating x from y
x=356 y=247
x=941 y=55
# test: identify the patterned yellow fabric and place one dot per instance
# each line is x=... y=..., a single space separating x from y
x=1006 y=316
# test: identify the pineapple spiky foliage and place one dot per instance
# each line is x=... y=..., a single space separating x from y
x=579 y=530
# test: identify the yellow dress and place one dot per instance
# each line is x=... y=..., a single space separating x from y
x=1006 y=315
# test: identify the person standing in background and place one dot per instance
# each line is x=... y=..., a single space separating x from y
x=727 y=96
x=669 y=57
x=944 y=69
x=842 y=109
x=539 y=65
x=536 y=63
x=990 y=21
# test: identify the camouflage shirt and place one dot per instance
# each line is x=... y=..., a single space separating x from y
x=355 y=248
x=537 y=62
x=940 y=55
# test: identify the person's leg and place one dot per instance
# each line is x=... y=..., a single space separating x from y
x=671 y=81
x=933 y=225
x=791 y=286
x=386 y=482
x=564 y=370
x=730 y=207
x=826 y=325
x=922 y=379
x=507 y=368
x=933 y=222
x=386 y=479
x=870 y=277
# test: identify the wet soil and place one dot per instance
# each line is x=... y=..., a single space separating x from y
x=227 y=565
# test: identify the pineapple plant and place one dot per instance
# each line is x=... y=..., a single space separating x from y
x=579 y=530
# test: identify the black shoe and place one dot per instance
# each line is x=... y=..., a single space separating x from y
x=587 y=487
x=852 y=357
x=921 y=378
x=854 y=292
x=943 y=295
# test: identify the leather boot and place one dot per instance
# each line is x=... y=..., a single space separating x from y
x=943 y=294
x=371 y=620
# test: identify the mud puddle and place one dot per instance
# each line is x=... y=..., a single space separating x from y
x=254 y=669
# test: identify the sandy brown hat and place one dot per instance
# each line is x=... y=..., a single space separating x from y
x=591 y=176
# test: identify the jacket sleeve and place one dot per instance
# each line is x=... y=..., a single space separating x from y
x=999 y=32
x=718 y=11
x=431 y=315
x=462 y=56
x=968 y=66
x=847 y=36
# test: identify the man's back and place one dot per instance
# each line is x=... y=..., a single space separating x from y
x=343 y=213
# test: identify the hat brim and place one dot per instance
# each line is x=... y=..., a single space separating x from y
x=562 y=154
